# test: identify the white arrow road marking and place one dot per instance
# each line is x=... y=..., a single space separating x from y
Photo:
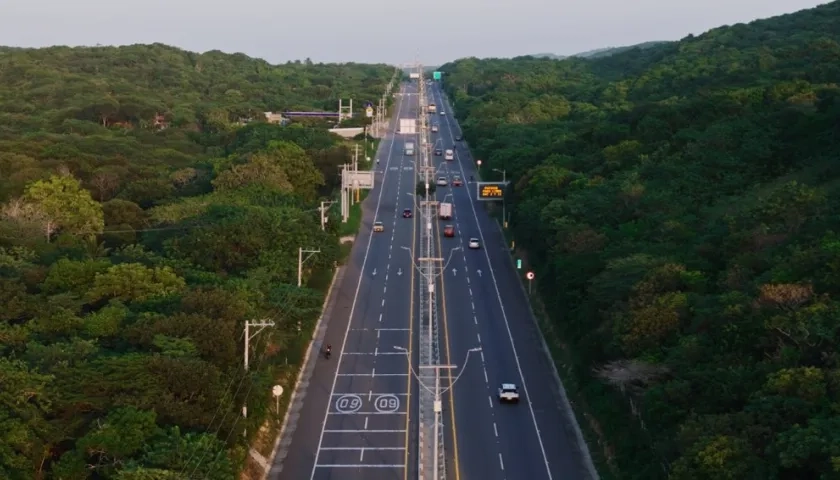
x=479 y=272
x=374 y=272
x=455 y=272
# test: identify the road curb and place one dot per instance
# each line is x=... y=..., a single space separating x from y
x=583 y=447
x=284 y=437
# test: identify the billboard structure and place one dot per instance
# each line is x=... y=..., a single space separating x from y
x=413 y=76
x=358 y=179
x=436 y=75
x=408 y=126
x=490 y=190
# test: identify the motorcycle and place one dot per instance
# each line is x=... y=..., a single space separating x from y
x=328 y=352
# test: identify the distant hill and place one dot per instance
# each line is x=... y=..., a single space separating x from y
x=549 y=56
x=610 y=51
x=680 y=205
x=599 y=52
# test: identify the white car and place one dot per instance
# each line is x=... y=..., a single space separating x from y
x=442 y=182
x=474 y=243
x=508 y=393
x=434 y=128
x=442 y=112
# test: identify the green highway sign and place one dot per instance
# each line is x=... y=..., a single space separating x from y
x=519 y=264
x=436 y=75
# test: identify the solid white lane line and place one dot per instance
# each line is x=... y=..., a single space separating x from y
x=370 y=449
x=374 y=353
x=367 y=413
x=370 y=394
x=364 y=431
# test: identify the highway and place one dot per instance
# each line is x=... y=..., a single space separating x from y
x=357 y=421
x=484 y=306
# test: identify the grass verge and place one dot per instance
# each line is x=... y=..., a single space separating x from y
x=354 y=220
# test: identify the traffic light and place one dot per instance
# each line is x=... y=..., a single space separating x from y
x=519 y=264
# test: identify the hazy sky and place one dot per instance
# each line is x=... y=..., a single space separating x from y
x=435 y=31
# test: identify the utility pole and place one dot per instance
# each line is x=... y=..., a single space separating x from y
x=301 y=260
x=325 y=205
x=259 y=325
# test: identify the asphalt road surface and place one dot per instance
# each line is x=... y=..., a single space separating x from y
x=358 y=418
x=484 y=306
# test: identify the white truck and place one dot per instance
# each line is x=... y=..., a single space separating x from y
x=449 y=154
x=409 y=148
x=445 y=211
x=432 y=108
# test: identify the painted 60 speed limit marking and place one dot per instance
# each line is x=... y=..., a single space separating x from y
x=348 y=404
x=387 y=403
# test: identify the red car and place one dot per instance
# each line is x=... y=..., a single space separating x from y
x=457 y=182
x=449 y=231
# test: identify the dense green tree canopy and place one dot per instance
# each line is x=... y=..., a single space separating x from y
x=141 y=224
x=680 y=205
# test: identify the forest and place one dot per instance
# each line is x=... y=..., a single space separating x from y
x=680 y=205
x=147 y=211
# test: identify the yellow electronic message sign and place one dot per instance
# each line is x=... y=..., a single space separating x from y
x=491 y=191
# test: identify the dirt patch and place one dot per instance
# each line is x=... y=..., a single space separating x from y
x=347 y=239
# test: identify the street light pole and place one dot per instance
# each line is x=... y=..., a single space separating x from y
x=438 y=408
x=504 y=209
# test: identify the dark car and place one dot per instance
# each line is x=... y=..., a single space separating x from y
x=438 y=152
x=407 y=213
x=458 y=138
